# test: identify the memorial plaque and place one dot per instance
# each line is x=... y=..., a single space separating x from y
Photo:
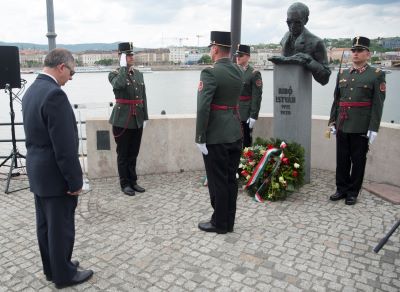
x=103 y=140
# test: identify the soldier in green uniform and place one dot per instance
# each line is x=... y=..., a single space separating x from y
x=355 y=117
x=251 y=95
x=128 y=117
x=218 y=132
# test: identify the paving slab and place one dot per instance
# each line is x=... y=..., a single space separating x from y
x=387 y=192
x=150 y=242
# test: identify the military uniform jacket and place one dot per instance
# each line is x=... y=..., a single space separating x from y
x=252 y=86
x=367 y=86
x=130 y=87
x=220 y=85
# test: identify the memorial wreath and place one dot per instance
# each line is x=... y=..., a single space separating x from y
x=271 y=169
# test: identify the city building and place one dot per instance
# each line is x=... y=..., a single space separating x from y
x=177 y=55
x=192 y=57
x=391 y=43
x=89 y=58
x=31 y=58
x=150 y=57
x=260 y=57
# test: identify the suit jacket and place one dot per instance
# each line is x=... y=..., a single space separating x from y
x=220 y=85
x=52 y=142
x=131 y=87
x=312 y=45
x=252 y=86
x=368 y=86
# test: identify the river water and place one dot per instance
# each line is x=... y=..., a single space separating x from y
x=175 y=92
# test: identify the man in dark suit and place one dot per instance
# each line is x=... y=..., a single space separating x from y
x=53 y=167
x=355 y=117
x=128 y=117
x=299 y=46
x=218 y=132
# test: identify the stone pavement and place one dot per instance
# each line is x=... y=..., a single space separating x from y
x=150 y=242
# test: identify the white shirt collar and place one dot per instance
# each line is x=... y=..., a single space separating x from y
x=44 y=73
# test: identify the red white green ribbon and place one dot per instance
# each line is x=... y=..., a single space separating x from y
x=260 y=169
x=261 y=166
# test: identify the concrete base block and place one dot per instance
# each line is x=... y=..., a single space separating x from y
x=292 y=108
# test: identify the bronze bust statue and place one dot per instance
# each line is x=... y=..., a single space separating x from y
x=301 y=47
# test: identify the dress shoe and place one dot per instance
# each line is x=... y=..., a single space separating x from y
x=50 y=278
x=128 y=191
x=351 y=200
x=138 y=188
x=80 y=277
x=337 y=196
x=209 y=227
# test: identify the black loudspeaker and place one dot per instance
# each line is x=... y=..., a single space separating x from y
x=9 y=67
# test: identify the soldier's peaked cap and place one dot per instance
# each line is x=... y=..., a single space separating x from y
x=221 y=38
x=361 y=42
x=243 y=49
x=126 y=48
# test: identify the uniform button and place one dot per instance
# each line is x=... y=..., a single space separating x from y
x=136 y=88
x=349 y=107
x=137 y=96
x=350 y=98
x=351 y=88
x=352 y=79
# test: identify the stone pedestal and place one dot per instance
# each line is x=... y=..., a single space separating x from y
x=293 y=108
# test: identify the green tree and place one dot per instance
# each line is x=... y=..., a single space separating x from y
x=205 y=59
x=375 y=59
x=104 y=62
x=33 y=64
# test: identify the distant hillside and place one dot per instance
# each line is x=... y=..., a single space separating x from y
x=73 y=48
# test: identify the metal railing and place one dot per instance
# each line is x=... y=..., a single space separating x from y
x=4 y=155
x=80 y=123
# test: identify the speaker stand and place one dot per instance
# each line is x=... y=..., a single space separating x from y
x=15 y=156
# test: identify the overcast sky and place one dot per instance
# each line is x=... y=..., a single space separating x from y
x=159 y=23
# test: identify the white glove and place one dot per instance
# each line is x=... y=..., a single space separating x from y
x=144 y=124
x=86 y=185
x=203 y=148
x=122 y=60
x=333 y=130
x=251 y=122
x=371 y=135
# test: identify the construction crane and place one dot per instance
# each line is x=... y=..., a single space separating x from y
x=198 y=39
x=182 y=39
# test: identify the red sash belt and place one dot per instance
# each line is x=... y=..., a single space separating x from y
x=343 y=115
x=244 y=97
x=129 y=101
x=355 y=103
x=132 y=102
x=217 y=107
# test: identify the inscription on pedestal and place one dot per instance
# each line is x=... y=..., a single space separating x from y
x=285 y=98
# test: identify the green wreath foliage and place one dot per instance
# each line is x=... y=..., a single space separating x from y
x=287 y=178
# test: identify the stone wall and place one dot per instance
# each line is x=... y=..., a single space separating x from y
x=168 y=146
